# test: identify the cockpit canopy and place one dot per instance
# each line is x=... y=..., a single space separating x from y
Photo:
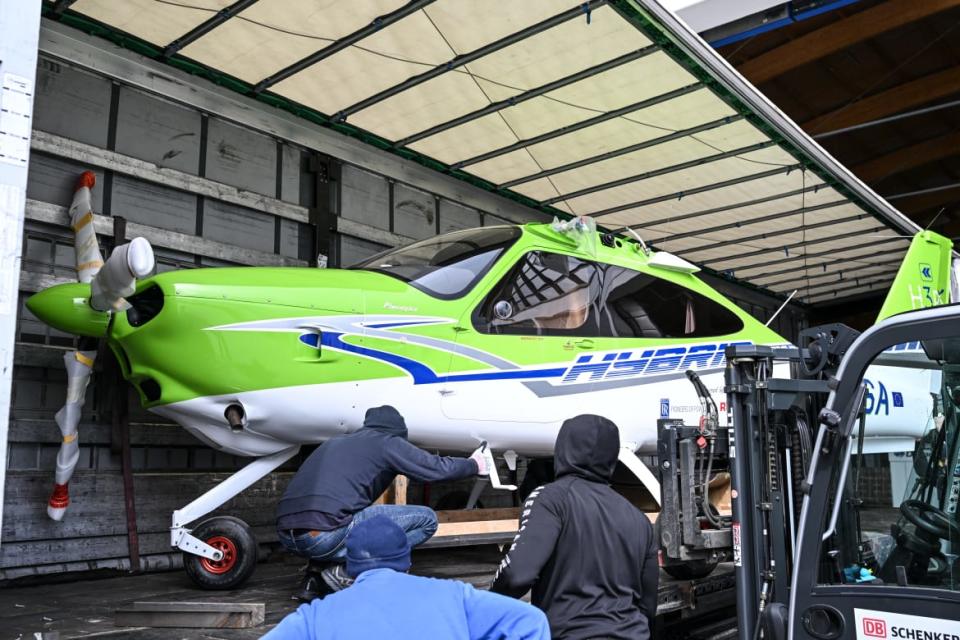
x=446 y=266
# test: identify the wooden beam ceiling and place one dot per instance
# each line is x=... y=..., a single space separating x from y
x=839 y=35
x=923 y=201
x=951 y=229
x=893 y=100
x=910 y=157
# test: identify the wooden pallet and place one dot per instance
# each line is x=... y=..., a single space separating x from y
x=462 y=526
x=193 y=615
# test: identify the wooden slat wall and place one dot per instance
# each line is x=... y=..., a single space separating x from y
x=205 y=192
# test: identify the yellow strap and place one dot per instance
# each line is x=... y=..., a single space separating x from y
x=93 y=264
x=84 y=220
x=83 y=359
x=69 y=438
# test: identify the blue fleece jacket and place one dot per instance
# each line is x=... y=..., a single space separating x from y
x=383 y=603
x=349 y=472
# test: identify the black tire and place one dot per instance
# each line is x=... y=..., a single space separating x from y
x=691 y=570
x=235 y=538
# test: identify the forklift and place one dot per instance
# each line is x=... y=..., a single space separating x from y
x=813 y=558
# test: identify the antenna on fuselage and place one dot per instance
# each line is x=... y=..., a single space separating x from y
x=777 y=312
x=636 y=235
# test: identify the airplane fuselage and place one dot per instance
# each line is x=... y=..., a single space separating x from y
x=496 y=334
x=544 y=332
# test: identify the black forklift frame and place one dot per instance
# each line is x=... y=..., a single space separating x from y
x=755 y=447
x=761 y=462
x=809 y=600
x=769 y=445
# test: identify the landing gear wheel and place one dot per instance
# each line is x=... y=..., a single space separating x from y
x=691 y=570
x=235 y=539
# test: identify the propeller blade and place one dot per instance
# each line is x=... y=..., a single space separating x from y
x=79 y=365
x=87 y=249
x=56 y=305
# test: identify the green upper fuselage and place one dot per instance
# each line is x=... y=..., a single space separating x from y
x=528 y=296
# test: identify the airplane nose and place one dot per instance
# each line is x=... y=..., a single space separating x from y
x=66 y=307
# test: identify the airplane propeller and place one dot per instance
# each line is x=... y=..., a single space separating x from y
x=110 y=283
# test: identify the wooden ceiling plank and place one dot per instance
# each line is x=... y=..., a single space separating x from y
x=840 y=35
x=893 y=100
x=923 y=201
x=910 y=157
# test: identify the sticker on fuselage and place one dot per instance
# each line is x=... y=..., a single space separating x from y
x=882 y=625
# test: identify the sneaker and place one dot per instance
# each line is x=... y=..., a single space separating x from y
x=336 y=577
x=313 y=587
x=317 y=566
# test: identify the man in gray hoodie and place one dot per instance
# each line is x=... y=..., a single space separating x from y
x=336 y=486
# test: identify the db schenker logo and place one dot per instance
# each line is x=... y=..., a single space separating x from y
x=874 y=628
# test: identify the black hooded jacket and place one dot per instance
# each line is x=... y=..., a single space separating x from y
x=587 y=553
x=347 y=473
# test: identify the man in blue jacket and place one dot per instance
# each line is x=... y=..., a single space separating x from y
x=386 y=602
x=336 y=486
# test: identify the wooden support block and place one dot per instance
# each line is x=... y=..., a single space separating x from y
x=720 y=491
x=396 y=493
x=476 y=527
x=473 y=515
x=194 y=615
x=468 y=522
x=400 y=485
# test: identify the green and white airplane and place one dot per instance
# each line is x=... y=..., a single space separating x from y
x=492 y=335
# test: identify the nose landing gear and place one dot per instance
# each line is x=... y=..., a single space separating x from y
x=221 y=552
x=234 y=539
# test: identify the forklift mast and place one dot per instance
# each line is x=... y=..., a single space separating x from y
x=770 y=447
x=764 y=444
x=807 y=567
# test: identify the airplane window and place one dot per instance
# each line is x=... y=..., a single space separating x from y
x=643 y=306
x=446 y=266
x=551 y=294
x=899 y=522
x=544 y=294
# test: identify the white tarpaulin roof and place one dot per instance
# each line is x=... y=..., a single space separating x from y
x=612 y=110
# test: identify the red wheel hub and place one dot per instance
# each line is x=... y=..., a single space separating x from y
x=229 y=549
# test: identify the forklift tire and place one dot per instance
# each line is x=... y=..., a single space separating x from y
x=691 y=570
x=235 y=538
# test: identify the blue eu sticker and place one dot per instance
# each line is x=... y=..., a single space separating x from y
x=897 y=399
x=664 y=407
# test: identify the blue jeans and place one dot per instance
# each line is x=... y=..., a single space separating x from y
x=420 y=523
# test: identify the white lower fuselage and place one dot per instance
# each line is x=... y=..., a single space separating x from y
x=457 y=416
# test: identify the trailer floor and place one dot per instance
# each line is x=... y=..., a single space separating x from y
x=85 y=608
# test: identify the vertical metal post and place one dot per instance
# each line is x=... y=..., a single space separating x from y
x=19 y=35
x=326 y=208
x=744 y=515
x=120 y=433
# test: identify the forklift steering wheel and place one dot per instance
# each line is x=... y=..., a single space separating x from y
x=928 y=518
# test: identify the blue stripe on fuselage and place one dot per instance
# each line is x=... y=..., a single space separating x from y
x=421 y=373
x=594 y=367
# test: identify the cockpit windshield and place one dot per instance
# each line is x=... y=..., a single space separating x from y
x=446 y=266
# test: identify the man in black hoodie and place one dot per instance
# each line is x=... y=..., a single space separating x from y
x=336 y=486
x=587 y=553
